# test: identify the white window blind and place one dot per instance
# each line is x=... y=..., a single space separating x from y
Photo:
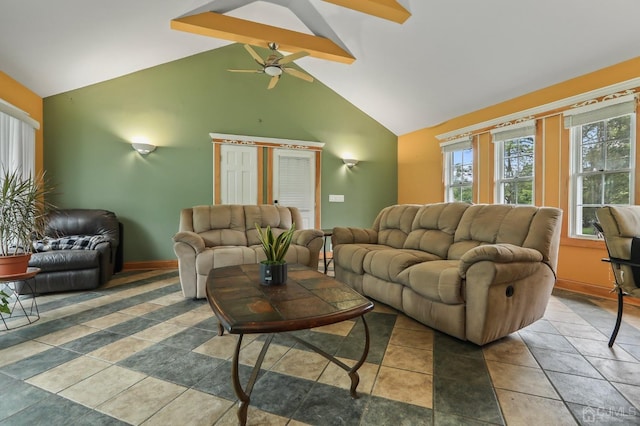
x=601 y=111
x=294 y=181
x=17 y=145
x=456 y=144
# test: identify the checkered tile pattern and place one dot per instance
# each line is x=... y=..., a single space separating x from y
x=137 y=352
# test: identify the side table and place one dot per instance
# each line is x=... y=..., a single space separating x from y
x=18 y=309
x=327 y=236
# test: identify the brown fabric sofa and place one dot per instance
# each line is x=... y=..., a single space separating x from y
x=223 y=235
x=476 y=272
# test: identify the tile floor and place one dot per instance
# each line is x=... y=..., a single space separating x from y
x=137 y=352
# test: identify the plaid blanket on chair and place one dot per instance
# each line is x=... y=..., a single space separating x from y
x=69 y=242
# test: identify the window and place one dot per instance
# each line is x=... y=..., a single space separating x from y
x=458 y=170
x=515 y=164
x=603 y=166
x=17 y=140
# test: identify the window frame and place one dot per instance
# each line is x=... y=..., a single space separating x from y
x=501 y=180
x=449 y=184
x=576 y=205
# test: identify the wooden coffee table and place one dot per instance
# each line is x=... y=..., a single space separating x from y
x=309 y=299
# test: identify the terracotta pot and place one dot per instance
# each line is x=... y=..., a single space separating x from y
x=14 y=265
x=273 y=274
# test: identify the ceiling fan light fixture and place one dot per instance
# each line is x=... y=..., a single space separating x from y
x=273 y=70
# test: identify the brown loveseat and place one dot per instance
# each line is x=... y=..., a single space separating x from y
x=476 y=272
x=223 y=235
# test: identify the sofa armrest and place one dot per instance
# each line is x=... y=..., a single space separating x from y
x=306 y=237
x=346 y=235
x=191 y=239
x=498 y=253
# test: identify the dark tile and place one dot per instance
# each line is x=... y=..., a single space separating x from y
x=448 y=345
x=96 y=418
x=38 y=363
x=172 y=311
x=588 y=416
x=17 y=396
x=325 y=341
x=380 y=329
x=39 y=329
x=10 y=339
x=466 y=399
x=546 y=341
x=280 y=394
x=327 y=405
x=564 y=362
x=189 y=339
x=218 y=382
x=587 y=391
x=447 y=419
x=381 y=411
x=53 y=410
x=460 y=368
x=210 y=324
x=93 y=341
x=151 y=359
x=132 y=326
x=542 y=326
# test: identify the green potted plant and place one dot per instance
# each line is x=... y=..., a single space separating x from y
x=273 y=270
x=22 y=217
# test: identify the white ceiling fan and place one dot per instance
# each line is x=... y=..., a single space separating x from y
x=273 y=65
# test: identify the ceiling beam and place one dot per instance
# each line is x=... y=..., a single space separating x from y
x=216 y=25
x=386 y=9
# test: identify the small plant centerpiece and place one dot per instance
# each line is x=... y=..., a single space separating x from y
x=273 y=270
x=22 y=218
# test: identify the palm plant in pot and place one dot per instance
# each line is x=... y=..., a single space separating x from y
x=22 y=218
x=273 y=270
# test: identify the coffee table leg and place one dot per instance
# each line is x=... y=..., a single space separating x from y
x=245 y=395
x=353 y=373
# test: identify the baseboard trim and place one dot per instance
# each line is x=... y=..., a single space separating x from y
x=156 y=264
x=594 y=290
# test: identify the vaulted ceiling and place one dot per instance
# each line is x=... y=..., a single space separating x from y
x=449 y=57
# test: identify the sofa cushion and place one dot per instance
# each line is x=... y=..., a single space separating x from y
x=387 y=264
x=218 y=257
x=351 y=256
x=394 y=224
x=278 y=218
x=219 y=225
x=434 y=226
x=438 y=280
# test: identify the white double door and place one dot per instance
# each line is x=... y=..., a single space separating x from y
x=293 y=176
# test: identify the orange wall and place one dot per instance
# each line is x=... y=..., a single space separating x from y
x=420 y=169
x=23 y=98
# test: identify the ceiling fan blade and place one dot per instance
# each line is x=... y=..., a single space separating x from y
x=294 y=72
x=254 y=54
x=253 y=71
x=292 y=57
x=273 y=81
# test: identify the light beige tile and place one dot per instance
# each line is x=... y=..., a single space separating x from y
x=66 y=335
x=510 y=349
x=564 y=316
x=339 y=329
x=412 y=359
x=102 y=386
x=120 y=280
x=67 y=374
x=382 y=308
x=298 y=363
x=517 y=378
x=336 y=376
x=221 y=347
x=405 y=386
x=525 y=410
x=141 y=309
x=159 y=332
x=249 y=354
x=421 y=339
x=142 y=400
x=169 y=299
x=631 y=392
x=403 y=321
x=181 y=410
x=20 y=351
x=121 y=349
x=254 y=417
x=108 y=320
x=597 y=348
x=193 y=317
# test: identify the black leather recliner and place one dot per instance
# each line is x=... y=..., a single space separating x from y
x=64 y=269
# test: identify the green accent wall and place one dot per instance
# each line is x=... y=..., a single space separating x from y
x=89 y=159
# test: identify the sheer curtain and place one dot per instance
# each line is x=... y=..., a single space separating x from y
x=17 y=145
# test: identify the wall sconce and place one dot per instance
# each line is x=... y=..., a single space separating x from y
x=349 y=162
x=143 y=148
